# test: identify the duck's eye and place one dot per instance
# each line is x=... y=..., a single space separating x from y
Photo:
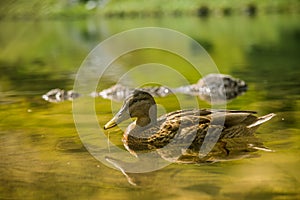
x=134 y=101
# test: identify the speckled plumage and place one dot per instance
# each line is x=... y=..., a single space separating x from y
x=182 y=132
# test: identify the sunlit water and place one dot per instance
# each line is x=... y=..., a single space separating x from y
x=42 y=156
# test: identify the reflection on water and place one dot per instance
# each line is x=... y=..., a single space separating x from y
x=223 y=150
x=41 y=153
x=213 y=88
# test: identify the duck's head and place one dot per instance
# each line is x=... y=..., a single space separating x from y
x=140 y=105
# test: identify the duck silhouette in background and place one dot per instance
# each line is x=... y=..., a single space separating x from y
x=213 y=88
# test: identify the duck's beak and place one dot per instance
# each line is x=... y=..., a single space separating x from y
x=122 y=115
x=111 y=123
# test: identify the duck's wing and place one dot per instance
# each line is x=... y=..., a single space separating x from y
x=232 y=118
x=179 y=127
x=186 y=124
x=238 y=124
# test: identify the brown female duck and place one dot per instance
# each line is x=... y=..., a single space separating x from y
x=185 y=130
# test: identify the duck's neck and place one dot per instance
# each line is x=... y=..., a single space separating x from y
x=134 y=138
x=147 y=119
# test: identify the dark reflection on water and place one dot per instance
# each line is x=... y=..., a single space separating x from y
x=212 y=88
x=42 y=156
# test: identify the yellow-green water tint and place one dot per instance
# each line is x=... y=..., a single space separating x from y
x=42 y=156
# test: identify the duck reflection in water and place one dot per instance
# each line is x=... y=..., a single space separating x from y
x=186 y=136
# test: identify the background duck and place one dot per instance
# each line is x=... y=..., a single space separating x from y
x=215 y=88
x=183 y=132
x=212 y=88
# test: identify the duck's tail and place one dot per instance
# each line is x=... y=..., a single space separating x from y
x=261 y=120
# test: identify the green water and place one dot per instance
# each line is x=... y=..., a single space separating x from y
x=42 y=156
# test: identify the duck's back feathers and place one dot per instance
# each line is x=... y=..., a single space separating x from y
x=261 y=120
x=191 y=126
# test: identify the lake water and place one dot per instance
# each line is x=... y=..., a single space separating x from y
x=42 y=156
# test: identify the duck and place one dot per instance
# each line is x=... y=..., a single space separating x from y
x=182 y=131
